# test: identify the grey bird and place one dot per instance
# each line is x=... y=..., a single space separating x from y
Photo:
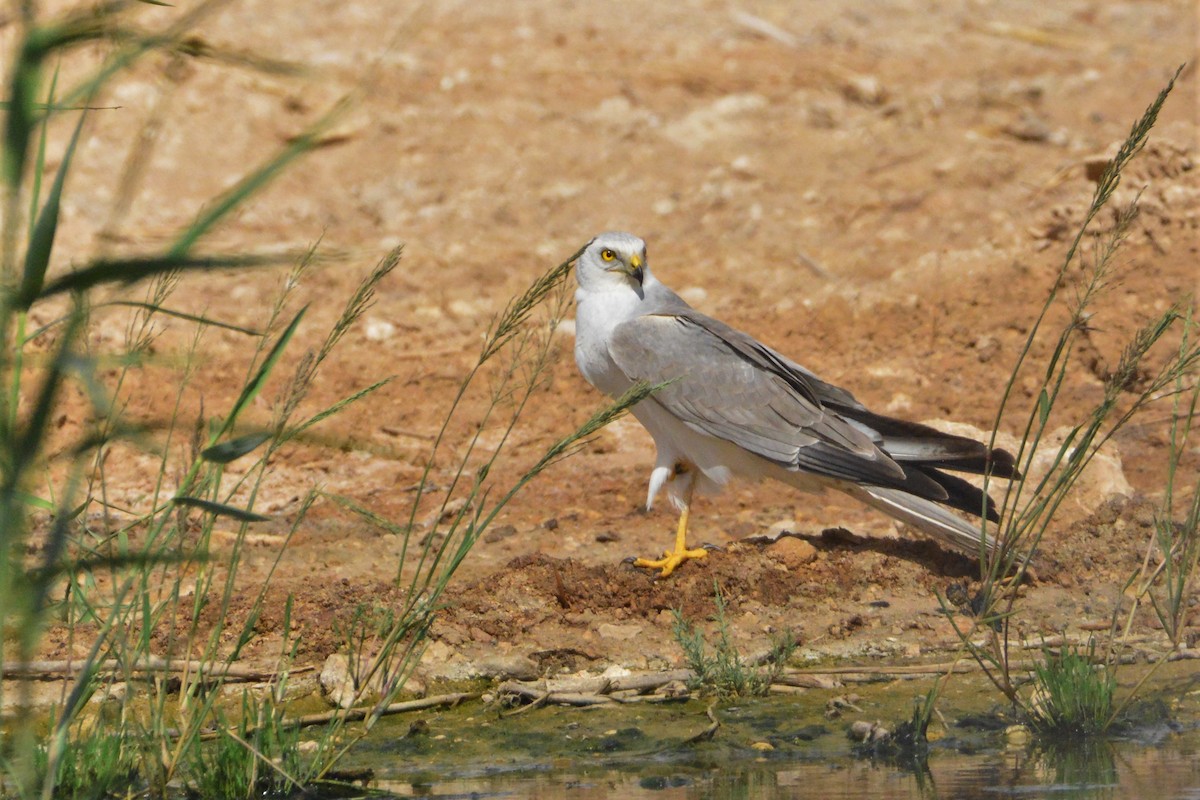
x=736 y=408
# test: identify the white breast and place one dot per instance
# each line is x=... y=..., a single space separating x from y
x=596 y=314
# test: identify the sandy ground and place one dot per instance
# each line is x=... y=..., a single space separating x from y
x=882 y=191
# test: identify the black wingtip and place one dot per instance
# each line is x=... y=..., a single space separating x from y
x=1003 y=465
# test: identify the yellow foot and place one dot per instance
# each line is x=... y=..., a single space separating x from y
x=670 y=560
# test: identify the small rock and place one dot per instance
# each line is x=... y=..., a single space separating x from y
x=444 y=514
x=379 y=330
x=508 y=667
x=792 y=553
x=762 y=746
x=499 y=532
x=1016 y=735
x=864 y=89
x=615 y=671
x=664 y=206
x=822 y=115
x=607 y=630
x=551 y=524
x=742 y=167
x=337 y=682
x=1032 y=128
x=863 y=731
x=604 y=537
x=986 y=348
x=835 y=706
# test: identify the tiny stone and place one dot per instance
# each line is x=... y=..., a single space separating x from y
x=378 y=330
x=861 y=730
x=499 y=532
x=664 y=206
x=792 y=553
x=607 y=630
x=864 y=89
x=337 y=681
x=504 y=667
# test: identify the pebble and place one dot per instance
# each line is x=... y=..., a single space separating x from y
x=337 y=682
x=792 y=553
x=607 y=630
x=512 y=666
x=864 y=89
x=379 y=330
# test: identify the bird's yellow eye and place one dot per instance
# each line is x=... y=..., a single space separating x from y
x=607 y=255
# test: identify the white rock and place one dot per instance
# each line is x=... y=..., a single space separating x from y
x=337 y=682
x=378 y=330
x=616 y=671
x=608 y=630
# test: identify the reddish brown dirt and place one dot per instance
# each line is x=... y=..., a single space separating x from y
x=882 y=193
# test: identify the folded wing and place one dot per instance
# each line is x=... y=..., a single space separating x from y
x=728 y=385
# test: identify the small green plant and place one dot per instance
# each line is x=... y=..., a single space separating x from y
x=94 y=767
x=258 y=756
x=1030 y=505
x=1072 y=695
x=515 y=355
x=136 y=587
x=125 y=590
x=719 y=668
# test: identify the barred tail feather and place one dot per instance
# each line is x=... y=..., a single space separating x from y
x=926 y=516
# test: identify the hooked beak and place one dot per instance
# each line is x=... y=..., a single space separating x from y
x=635 y=268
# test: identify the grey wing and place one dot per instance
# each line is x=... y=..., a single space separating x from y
x=723 y=389
x=908 y=443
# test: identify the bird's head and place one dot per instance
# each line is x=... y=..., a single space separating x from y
x=612 y=260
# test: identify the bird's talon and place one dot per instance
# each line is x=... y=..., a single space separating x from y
x=670 y=561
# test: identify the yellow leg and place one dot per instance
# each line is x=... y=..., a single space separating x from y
x=681 y=553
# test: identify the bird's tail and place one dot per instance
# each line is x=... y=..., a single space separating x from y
x=927 y=517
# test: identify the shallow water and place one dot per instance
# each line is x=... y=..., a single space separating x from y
x=773 y=748
x=1126 y=770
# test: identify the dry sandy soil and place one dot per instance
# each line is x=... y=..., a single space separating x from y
x=884 y=191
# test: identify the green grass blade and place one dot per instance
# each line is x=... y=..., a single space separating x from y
x=132 y=270
x=234 y=449
x=199 y=319
x=254 y=386
x=39 y=169
x=35 y=501
x=219 y=509
x=41 y=242
x=335 y=408
x=21 y=116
